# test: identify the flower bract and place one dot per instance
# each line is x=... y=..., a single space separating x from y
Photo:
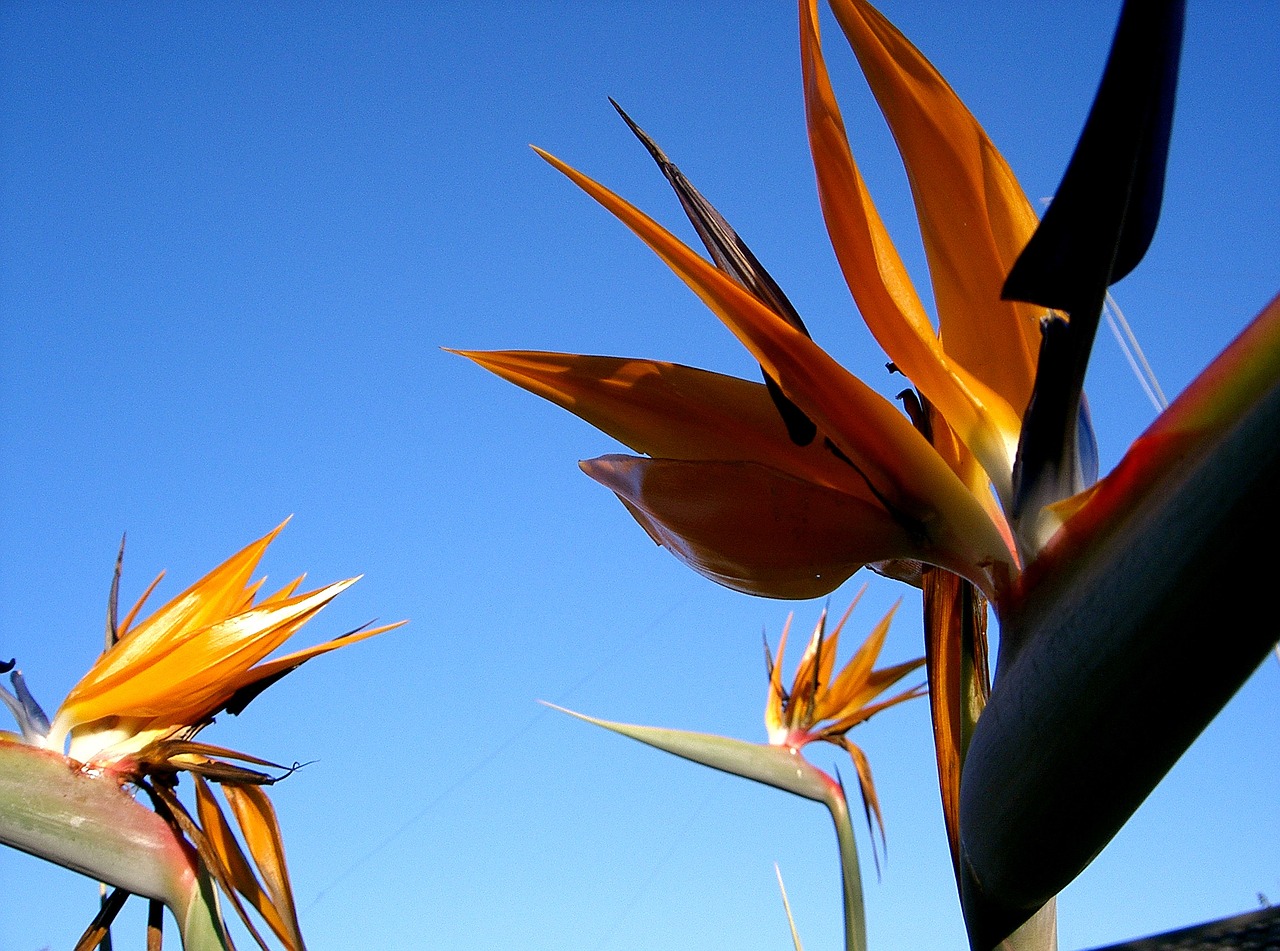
x=133 y=717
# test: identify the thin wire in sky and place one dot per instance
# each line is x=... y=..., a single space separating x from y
x=1132 y=351
x=488 y=757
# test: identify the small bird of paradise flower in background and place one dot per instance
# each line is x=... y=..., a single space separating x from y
x=131 y=723
x=822 y=706
x=983 y=487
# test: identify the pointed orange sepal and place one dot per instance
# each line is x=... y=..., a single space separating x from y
x=671 y=411
x=880 y=285
x=974 y=217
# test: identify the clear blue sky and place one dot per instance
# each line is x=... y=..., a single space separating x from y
x=232 y=242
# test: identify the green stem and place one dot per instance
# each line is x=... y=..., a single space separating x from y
x=855 y=915
x=201 y=922
x=1037 y=933
x=53 y=810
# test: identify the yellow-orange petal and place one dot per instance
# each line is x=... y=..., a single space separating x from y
x=281 y=665
x=974 y=217
x=870 y=801
x=863 y=710
x=845 y=693
x=805 y=685
x=880 y=285
x=185 y=679
x=257 y=820
x=239 y=873
x=752 y=528
x=775 y=721
x=895 y=459
x=831 y=640
x=217 y=595
x=670 y=411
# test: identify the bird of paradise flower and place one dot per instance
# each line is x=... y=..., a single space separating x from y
x=984 y=488
x=855 y=482
x=822 y=706
x=132 y=721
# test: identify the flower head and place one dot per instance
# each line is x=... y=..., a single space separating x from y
x=133 y=718
x=786 y=487
x=820 y=707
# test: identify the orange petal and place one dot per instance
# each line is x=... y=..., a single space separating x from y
x=904 y=471
x=282 y=665
x=774 y=719
x=257 y=821
x=882 y=288
x=240 y=874
x=863 y=712
x=185 y=679
x=214 y=597
x=670 y=411
x=832 y=640
x=974 y=217
x=870 y=801
x=806 y=686
x=945 y=614
x=752 y=528
x=843 y=694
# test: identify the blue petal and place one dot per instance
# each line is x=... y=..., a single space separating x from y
x=31 y=719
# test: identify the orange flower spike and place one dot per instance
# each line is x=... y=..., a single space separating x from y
x=849 y=690
x=191 y=677
x=257 y=820
x=181 y=665
x=236 y=872
x=897 y=462
x=819 y=709
x=775 y=702
x=132 y=722
x=882 y=289
x=974 y=217
x=882 y=442
x=217 y=595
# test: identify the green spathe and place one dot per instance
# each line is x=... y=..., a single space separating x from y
x=83 y=821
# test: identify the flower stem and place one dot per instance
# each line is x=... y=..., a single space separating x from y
x=1037 y=933
x=855 y=916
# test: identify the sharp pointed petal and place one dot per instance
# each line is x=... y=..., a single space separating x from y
x=257 y=820
x=980 y=412
x=974 y=216
x=668 y=410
